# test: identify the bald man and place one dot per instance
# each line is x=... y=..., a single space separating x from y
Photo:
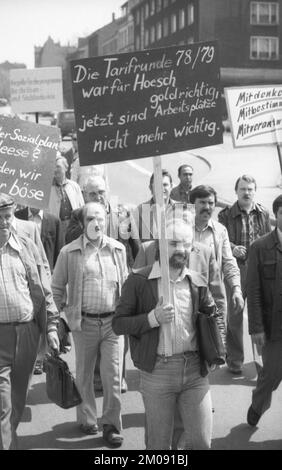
x=93 y=267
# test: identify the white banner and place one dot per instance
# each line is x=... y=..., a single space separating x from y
x=255 y=114
x=36 y=90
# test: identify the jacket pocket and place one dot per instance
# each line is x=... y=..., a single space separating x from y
x=269 y=269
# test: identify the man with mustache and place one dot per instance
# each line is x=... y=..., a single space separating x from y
x=246 y=221
x=177 y=380
x=213 y=234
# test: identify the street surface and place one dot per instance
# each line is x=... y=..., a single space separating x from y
x=46 y=426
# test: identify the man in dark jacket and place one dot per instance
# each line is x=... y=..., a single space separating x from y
x=264 y=294
x=246 y=221
x=50 y=231
x=171 y=371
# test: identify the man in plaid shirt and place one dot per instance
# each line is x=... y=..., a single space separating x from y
x=246 y=221
x=94 y=268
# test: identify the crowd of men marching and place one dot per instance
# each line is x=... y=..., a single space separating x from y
x=99 y=264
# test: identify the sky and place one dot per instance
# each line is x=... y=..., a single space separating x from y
x=28 y=23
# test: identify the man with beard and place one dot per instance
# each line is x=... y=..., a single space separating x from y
x=246 y=221
x=176 y=380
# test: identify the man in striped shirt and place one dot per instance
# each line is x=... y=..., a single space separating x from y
x=94 y=268
x=27 y=310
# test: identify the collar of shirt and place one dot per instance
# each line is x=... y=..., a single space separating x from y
x=14 y=242
x=31 y=216
x=279 y=235
x=156 y=272
x=14 y=225
x=254 y=207
x=209 y=225
x=184 y=189
x=103 y=243
x=64 y=182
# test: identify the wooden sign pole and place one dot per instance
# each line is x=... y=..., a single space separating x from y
x=161 y=230
x=279 y=155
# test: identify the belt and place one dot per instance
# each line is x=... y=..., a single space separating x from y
x=97 y=315
x=15 y=323
x=184 y=354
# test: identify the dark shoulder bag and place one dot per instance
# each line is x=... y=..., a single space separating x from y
x=211 y=347
x=60 y=384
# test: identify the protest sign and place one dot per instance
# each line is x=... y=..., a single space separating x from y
x=255 y=114
x=27 y=160
x=147 y=103
x=36 y=90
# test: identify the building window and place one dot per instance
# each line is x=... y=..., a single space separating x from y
x=158 y=5
x=173 y=23
x=264 y=48
x=190 y=10
x=146 y=37
x=165 y=3
x=152 y=7
x=152 y=34
x=159 y=31
x=165 y=27
x=265 y=13
x=181 y=18
x=146 y=10
x=137 y=42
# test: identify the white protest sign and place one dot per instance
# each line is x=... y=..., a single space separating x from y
x=255 y=114
x=27 y=160
x=36 y=90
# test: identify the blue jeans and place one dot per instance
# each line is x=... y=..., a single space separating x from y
x=98 y=334
x=176 y=381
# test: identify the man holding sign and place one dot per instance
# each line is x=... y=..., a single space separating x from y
x=179 y=378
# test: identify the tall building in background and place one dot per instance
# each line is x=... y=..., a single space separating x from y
x=52 y=54
x=248 y=32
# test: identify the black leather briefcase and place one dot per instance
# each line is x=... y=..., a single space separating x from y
x=60 y=384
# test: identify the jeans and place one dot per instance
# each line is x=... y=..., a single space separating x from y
x=98 y=333
x=176 y=382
